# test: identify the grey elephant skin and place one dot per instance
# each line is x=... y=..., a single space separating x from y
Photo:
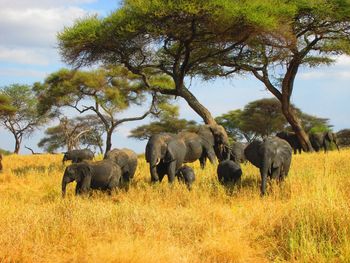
x=185 y=174
x=208 y=142
x=186 y=147
x=126 y=159
x=323 y=140
x=272 y=156
x=103 y=175
x=229 y=172
x=292 y=139
x=77 y=156
x=237 y=152
x=156 y=149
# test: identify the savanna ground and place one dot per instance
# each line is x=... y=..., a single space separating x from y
x=307 y=219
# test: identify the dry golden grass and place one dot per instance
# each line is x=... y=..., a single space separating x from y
x=307 y=219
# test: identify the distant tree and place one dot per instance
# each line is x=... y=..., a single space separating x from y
x=104 y=91
x=264 y=117
x=80 y=132
x=233 y=124
x=344 y=137
x=168 y=122
x=22 y=118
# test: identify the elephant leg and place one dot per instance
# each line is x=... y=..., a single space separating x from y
x=154 y=173
x=113 y=183
x=78 y=188
x=172 y=171
x=263 y=182
x=276 y=173
x=202 y=160
x=212 y=156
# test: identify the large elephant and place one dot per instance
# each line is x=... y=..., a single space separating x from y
x=323 y=140
x=272 y=156
x=126 y=159
x=155 y=152
x=292 y=139
x=209 y=141
x=77 y=156
x=102 y=175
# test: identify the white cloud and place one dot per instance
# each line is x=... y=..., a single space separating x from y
x=343 y=60
x=23 y=4
x=35 y=27
x=324 y=74
x=24 y=56
x=20 y=73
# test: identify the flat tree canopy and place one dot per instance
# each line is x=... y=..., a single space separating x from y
x=177 y=38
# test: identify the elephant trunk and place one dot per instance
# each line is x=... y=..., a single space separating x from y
x=264 y=170
x=66 y=180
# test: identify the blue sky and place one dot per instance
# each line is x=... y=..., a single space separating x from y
x=28 y=53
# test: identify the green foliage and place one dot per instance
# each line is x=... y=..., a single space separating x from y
x=168 y=122
x=23 y=117
x=4 y=152
x=80 y=132
x=264 y=117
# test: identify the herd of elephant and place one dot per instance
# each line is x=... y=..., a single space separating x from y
x=167 y=153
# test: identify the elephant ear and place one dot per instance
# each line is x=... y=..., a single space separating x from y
x=122 y=159
x=84 y=170
x=329 y=136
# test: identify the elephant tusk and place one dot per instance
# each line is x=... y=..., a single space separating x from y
x=158 y=161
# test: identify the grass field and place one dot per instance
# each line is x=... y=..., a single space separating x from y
x=307 y=219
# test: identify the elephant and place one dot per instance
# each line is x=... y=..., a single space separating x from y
x=323 y=140
x=229 y=172
x=237 y=152
x=102 y=175
x=126 y=159
x=155 y=153
x=272 y=156
x=292 y=139
x=186 y=174
x=0 y=162
x=77 y=156
x=208 y=142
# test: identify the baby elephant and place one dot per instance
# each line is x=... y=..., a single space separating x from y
x=229 y=172
x=102 y=175
x=186 y=174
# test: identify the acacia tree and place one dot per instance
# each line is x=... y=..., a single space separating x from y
x=175 y=38
x=314 y=32
x=74 y=133
x=262 y=118
x=105 y=91
x=22 y=118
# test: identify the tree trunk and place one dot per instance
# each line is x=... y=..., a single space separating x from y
x=108 y=141
x=18 y=140
x=294 y=121
x=197 y=106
